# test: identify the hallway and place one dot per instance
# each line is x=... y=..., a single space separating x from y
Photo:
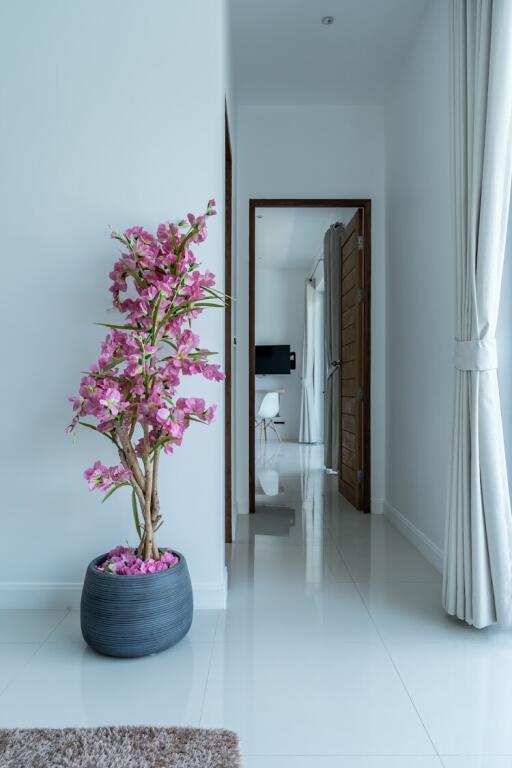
x=331 y=605
x=325 y=605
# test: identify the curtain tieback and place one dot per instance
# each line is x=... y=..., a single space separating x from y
x=476 y=355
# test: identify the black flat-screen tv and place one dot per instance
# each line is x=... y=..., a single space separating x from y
x=273 y=358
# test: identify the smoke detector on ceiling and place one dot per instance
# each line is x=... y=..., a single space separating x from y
x=327 y=20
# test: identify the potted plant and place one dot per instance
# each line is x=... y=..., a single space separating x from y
x=138 y=600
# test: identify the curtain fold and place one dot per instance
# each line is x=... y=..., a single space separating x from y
x=477 y=582
x=319 y=365
x=308 y=423
x=332 y=280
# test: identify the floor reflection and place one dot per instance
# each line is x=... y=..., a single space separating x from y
x=290 y=488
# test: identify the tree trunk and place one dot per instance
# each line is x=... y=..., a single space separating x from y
x=148 y=546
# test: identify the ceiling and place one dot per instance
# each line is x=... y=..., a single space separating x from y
x=292 y=238
x=283 y=54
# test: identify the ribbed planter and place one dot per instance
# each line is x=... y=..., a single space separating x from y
x=135 y=615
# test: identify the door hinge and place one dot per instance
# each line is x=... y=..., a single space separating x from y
x=360 y=476
x=360 y=295
x=360 y=242
x=360 y=393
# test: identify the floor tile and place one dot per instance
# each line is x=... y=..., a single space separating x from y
x=277 y=613
x=404 y=611
x=203 y=628
x=462 y=692
x=385 y=555
x=67 y=684
x=269 y=560
x=28 y=626
x=298 y=698
x=13 y=658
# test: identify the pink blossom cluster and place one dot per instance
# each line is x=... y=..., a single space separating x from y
x=157 y=285
x=102 y=478
x=123 y=561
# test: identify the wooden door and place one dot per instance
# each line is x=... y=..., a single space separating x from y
x=351 y=475
x=228 y=335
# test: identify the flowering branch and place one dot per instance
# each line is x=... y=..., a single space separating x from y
x=131 y=391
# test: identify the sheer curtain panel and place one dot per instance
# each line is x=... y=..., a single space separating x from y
x=477 y=585
x=308 y=423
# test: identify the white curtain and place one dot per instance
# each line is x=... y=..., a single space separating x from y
x=477 y=583
x=308 y=423
x=319 y=370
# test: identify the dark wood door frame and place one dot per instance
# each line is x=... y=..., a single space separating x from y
x=366 y=205
x=228 y=346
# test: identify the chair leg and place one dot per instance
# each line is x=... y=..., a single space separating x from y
x=265 y=428
x=276 y=431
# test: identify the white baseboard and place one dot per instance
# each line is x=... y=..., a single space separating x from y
x=421 y=541
x=67 y=595
x=27 y=594
x=377 y=506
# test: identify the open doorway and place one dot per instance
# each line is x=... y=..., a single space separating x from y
x=288 y=272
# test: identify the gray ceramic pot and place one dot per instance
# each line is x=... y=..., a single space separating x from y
x=135 y=615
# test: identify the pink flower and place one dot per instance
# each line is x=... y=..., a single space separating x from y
x=209 y=414
x=101 y=478
x=112 y=401
x=162 y=415
x=123 y=561
x=119 y=474
x=98 y=477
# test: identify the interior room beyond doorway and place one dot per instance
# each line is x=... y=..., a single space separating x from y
x=295 y=352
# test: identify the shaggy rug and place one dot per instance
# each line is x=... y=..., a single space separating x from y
x=122 y=747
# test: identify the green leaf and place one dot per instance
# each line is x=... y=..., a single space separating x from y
x=113 y=490
x=120 y=327
x=217 y=294
x=202 y=354
x=136 y=515
x=89 y=426
x=155 y=317
x=113 y=364
x=103 y=375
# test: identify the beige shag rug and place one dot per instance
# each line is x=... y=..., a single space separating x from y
x=122 y=747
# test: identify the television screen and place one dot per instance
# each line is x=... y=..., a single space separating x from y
x=273 y=358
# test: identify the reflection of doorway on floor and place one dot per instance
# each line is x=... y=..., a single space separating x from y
x=289 y=491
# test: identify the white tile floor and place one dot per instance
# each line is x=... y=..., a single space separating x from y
x=334 y=651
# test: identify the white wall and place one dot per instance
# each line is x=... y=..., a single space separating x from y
x=420 y=285
x=279 y=309
x=311 y=151
x=104 y=108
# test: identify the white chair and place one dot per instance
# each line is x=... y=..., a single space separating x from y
x=267 y=412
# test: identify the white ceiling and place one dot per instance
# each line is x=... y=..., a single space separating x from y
x=292 y=238
x=284 y=55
